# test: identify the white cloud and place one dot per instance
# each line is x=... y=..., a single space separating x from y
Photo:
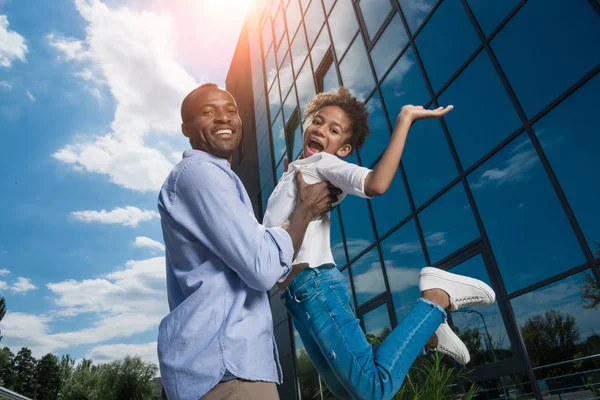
x=12 y=45
x=128 y=216
x=432 y=240
x=5 y=85
x=134 y=54
x=22 y=285
x=4 y=271
x=122 y=303
x=514 y=169
x=109 y=352
x=30 y=96
x=143 y=241
x=371 y=281
x=3 y=285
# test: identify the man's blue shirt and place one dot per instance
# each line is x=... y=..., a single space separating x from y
x=220 y=262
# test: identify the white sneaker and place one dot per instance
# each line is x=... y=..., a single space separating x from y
x=450 y=344
x=463 y=291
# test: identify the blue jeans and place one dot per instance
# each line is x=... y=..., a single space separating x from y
x=320 y=306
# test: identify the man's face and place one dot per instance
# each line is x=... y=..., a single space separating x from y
x=215 y=126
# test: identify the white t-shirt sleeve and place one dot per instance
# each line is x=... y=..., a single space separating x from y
x=348 y=177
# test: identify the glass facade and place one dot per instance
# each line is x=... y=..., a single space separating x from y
x=503 y=189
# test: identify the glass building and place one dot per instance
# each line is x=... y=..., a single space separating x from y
x=505 y=188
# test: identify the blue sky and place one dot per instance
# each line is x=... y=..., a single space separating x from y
x=89 y=117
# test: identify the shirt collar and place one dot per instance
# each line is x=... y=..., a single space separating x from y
x=199 y=153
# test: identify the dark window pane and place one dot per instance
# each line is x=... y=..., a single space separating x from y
x=357 y=225
x=286 y=78
x=266 y=192
x=303 y=363
x=403 y=259
x=416 y=11
x=483 y=114
x=377 y=325
x=270 y=67
x=337 y=244
x=279 y=170
x=314 y=20
x=264 y=149
x=343 y=26
x=294 y=16
x=320 y=48
x=299 y=50
x=278 y=25
x=527 y=228
x=289 y=106
x=274 y=100
x=449 y=36
x=355 y=70
x=569 y=137
x=404 y=85
x=558 y=325
x=305 y=85
x=374 y=13
x=330 y=80
x=278 y=131
x=481 y=328
x=389 y=45
x=392 y=207
x=379 y=138
x=448 y=224
x=546 y=47
x=367 y=277
x=490 y=13
x=427 y=160
x=297 y=141
x=267 y=34
x=266 y=179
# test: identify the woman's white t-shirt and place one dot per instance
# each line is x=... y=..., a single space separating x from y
x=349 y=178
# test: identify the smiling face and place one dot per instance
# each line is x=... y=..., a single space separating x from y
x=212 y=122
x=328 y=131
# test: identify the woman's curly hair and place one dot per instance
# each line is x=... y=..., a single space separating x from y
x=354 y=109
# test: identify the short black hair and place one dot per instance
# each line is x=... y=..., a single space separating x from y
x=185 y=113
x=354 y=109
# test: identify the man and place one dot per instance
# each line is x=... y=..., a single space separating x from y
x=217 y=341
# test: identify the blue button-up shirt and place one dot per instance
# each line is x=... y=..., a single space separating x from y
x=220 y=263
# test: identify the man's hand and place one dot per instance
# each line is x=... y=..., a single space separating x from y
x=410 y=113
x=311 y=201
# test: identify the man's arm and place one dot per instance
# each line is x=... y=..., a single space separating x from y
x=380 y=179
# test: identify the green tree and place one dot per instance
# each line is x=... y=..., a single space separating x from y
x=7 y=376
x=67 y=364
x=590 y=292
x=82 y=383
x=127 y=379
x=48 y=378
x=24 y=367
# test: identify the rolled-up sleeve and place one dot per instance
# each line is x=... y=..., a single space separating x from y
x=207 y=204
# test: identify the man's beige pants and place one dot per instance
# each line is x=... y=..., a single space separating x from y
x=240 y=389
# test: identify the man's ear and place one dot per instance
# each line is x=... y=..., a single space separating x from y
x=344 y=150
x=185 y=129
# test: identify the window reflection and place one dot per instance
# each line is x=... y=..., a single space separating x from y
x=270 y=67
x=565 y=41
x=367 y=277
x=403 y=259
x=343 y=26
x=392 y=207
x=274 y=99
x=379 y=138
x=377 y=325
x=267 y=34
x=279 y=146
x=337 y=243
x=279 y=169
x=330 y=79
x=293 y=15
x=389 y=45
x=559 y=328
x=415 y=11
x=527 y=228
x=481 y=328
x=289 y=106
x=355 y=70
x=278 y=25
x=286 y=77
x=313 y=21
x=490 y=13
x=266 y=179
x=297 y=141
x=374 y=13
x=449 y=36
x=299 y=50
x=565 y=135
x=320 y=48
x=281 y=52
x=328 y=4
x=305 y=85
x=483 y=114
x=404 y=85
x=448 y=224
x=427 y=160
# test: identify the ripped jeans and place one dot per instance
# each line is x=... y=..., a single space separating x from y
x=319 y=304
